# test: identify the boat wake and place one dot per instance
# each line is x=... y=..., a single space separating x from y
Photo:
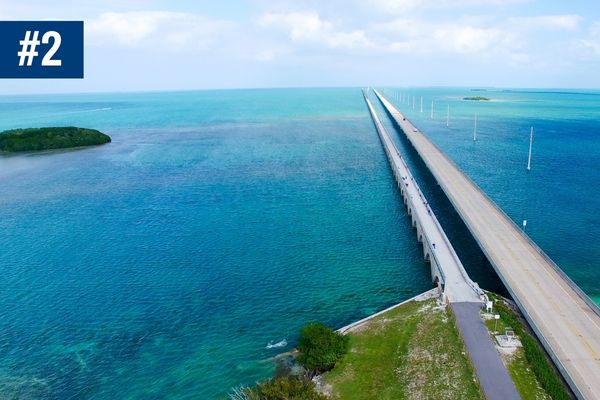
x=92 y=110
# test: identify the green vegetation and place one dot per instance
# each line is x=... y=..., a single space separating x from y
x=477 y=98
x=524 y=377
x=533 y=373
x=284 y=388
x=411 y=352
x=320 y=347
x=50 y=138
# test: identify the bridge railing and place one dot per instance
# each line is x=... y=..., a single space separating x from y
x=474 y=286
x=439 y=228
x=388 y=144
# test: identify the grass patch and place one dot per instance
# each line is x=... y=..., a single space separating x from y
x=524 y=378
x=532 y=372
x=411 y=352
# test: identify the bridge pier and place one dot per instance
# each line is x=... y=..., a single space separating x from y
x=437 y=249
x=436 y=277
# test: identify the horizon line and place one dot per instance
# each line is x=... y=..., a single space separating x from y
x=175 y=90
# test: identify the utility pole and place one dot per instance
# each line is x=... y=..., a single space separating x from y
x=530 y=146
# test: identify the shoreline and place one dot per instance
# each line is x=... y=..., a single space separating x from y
x=420 y=297
x=431 y=293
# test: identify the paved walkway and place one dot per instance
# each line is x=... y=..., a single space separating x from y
x=493 y=376
x=565 y=320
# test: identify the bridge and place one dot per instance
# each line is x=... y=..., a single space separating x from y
x=565 y=320
x=447 y=271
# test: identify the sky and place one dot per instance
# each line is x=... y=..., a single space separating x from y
x=135 y=45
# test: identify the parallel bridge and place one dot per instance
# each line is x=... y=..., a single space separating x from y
x=464 y=295
x=447 y=271
x=565 y=320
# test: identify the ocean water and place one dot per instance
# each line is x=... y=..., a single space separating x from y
x=162 y=264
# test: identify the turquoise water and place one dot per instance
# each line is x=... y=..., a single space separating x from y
x=162 y=264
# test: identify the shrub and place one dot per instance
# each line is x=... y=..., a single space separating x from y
x=320 y=347
x=286 y=388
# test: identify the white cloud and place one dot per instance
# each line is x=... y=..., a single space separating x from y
x=266 y=55
x=561 y=22
x=308 y=27
x=270 y=54
x=592 y=42
x=467 y=39
x=401 y=35
x=395 y=6
x=403 y=6
x=414 y=35
x=149 y=29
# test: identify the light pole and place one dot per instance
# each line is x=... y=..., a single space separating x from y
x=530 y=146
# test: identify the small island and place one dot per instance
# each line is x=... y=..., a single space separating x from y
x=477 y=98
x=35 y=139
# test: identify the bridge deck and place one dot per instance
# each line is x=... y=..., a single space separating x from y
x=564 y=319
x=458 y=287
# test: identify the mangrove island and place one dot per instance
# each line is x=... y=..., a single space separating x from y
x=477 y=98
x=34 y=139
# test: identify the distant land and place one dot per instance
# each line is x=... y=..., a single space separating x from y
x=35 y=139
x=477 y=98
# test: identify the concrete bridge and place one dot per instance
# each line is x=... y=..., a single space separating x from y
x=447 y=271
x=464 y=295
x=565 y=320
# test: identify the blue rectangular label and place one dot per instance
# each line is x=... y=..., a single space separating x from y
x=41 y=49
